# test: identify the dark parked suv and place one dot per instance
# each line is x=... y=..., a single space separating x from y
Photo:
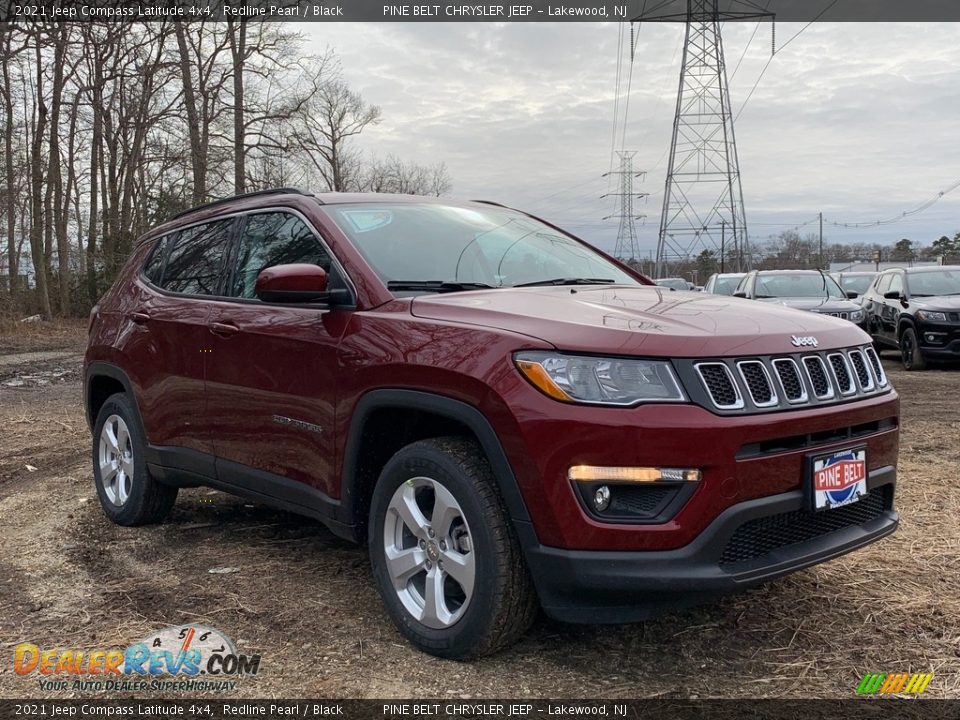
x=916 y=310
x=508 y=417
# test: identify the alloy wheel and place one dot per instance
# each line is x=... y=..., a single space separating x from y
x=116 y=460
x=429 y=552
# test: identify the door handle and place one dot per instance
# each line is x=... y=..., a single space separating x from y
x=139 y=317
x=224 y=329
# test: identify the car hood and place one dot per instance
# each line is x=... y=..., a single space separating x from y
x=815 y=304
x=639 y=320
x=938 y=302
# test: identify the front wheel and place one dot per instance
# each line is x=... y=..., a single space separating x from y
x=910 y=351
x=445 y=558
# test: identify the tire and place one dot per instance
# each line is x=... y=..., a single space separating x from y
x=473 y=531
x=910 y=354
x=128 y=495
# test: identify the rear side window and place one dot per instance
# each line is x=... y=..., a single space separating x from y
x=883 y=282
x=153 y=269
x=274 y=239
x=195 y=261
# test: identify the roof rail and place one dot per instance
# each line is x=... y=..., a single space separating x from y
x=221 y=201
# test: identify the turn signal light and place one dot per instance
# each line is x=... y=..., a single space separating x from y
x=597 y=473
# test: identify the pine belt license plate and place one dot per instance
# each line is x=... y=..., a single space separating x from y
x=838 y=478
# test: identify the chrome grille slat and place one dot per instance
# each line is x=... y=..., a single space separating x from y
x=819 y=377
x=764 y=383
x=720 y=384
x=790 y=380
x=842 y=374
x=758 y=382
x=878 y=371
x=862 y=370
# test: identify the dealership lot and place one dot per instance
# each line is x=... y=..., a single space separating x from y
x=304 y=601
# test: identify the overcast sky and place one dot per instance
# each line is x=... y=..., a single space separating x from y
x=858 y=121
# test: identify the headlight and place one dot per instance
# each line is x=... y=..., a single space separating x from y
x=932 y=316
x=856 y=316
x=598 y=380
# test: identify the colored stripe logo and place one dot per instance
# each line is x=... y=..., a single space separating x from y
x=894 y=683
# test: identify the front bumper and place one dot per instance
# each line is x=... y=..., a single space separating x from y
x=591 y=586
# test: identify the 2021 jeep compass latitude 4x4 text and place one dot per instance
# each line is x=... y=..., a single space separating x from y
x=508 y=417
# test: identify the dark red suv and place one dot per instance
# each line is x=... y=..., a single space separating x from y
x=507 y=416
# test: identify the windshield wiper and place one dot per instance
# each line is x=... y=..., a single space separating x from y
x=436 y=285
x=765 y=297
x=568 y=281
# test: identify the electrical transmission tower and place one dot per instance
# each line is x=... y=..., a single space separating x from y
x=627 y=247
x=703 y=197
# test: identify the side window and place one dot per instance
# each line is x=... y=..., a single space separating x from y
x=195 y=260
x=153 y=268
x=883 y=282
x=274 y=239
x=896 y=283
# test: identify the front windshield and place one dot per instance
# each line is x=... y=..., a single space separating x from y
x=856 y=283
x=675 y=283
x=796 y=285
x=727 y=285
x=935 y=282
x=478 y=246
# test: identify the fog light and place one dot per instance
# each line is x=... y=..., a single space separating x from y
x=933 y=337
x=601 y=498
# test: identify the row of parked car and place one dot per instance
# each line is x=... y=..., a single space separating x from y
x=913 y=310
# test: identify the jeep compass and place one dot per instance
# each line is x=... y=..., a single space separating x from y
x=509 y=418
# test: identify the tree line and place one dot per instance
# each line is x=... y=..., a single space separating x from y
x=789 y=250
x=110 y=128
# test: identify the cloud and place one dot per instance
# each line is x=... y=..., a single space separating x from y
x=856 y=120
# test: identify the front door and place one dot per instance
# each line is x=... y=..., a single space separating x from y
x=272 y=370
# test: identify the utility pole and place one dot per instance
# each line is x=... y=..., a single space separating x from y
x=821 y=241
x=703 y=191
x=723 y=243
x=627 y=246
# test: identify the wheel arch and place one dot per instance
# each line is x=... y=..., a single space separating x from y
x=903 y=322
x=102 y=380
x=364 y=457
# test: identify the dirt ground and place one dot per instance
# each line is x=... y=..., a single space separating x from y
x=304 y=599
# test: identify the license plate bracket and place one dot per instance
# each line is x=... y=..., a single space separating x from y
x=836 y=478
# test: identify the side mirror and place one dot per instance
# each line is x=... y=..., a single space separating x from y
x=295 y=283
x=893 y=295
x=851 y=295
x=740 y=294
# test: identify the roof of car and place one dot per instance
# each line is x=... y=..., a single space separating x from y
x=928 y=268
x=790 y=272
x=856 y=272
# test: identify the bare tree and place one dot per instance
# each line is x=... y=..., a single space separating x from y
x=336 y=115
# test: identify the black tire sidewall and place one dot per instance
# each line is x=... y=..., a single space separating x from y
x=916 y=357
x=468 y=633
x=130 y=512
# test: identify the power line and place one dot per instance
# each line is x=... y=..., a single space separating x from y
x=904 y=215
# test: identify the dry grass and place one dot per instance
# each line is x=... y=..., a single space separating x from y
x=20 y=337
x=317 y=621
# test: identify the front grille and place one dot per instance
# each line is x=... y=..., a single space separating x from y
x=720 y=385
x=860 y=368
x=789 y=376
x=758 y=384
x=762 y=536
x=817 y=373
x=878 y=372
x=841 y=373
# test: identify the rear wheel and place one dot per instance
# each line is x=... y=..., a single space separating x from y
x=444 y=554
x=128 y=495
x=910 y=353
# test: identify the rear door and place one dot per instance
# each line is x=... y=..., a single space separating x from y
x=168 y=340
x=272 y=370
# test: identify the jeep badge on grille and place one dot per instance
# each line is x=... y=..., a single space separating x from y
x=803 y=341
